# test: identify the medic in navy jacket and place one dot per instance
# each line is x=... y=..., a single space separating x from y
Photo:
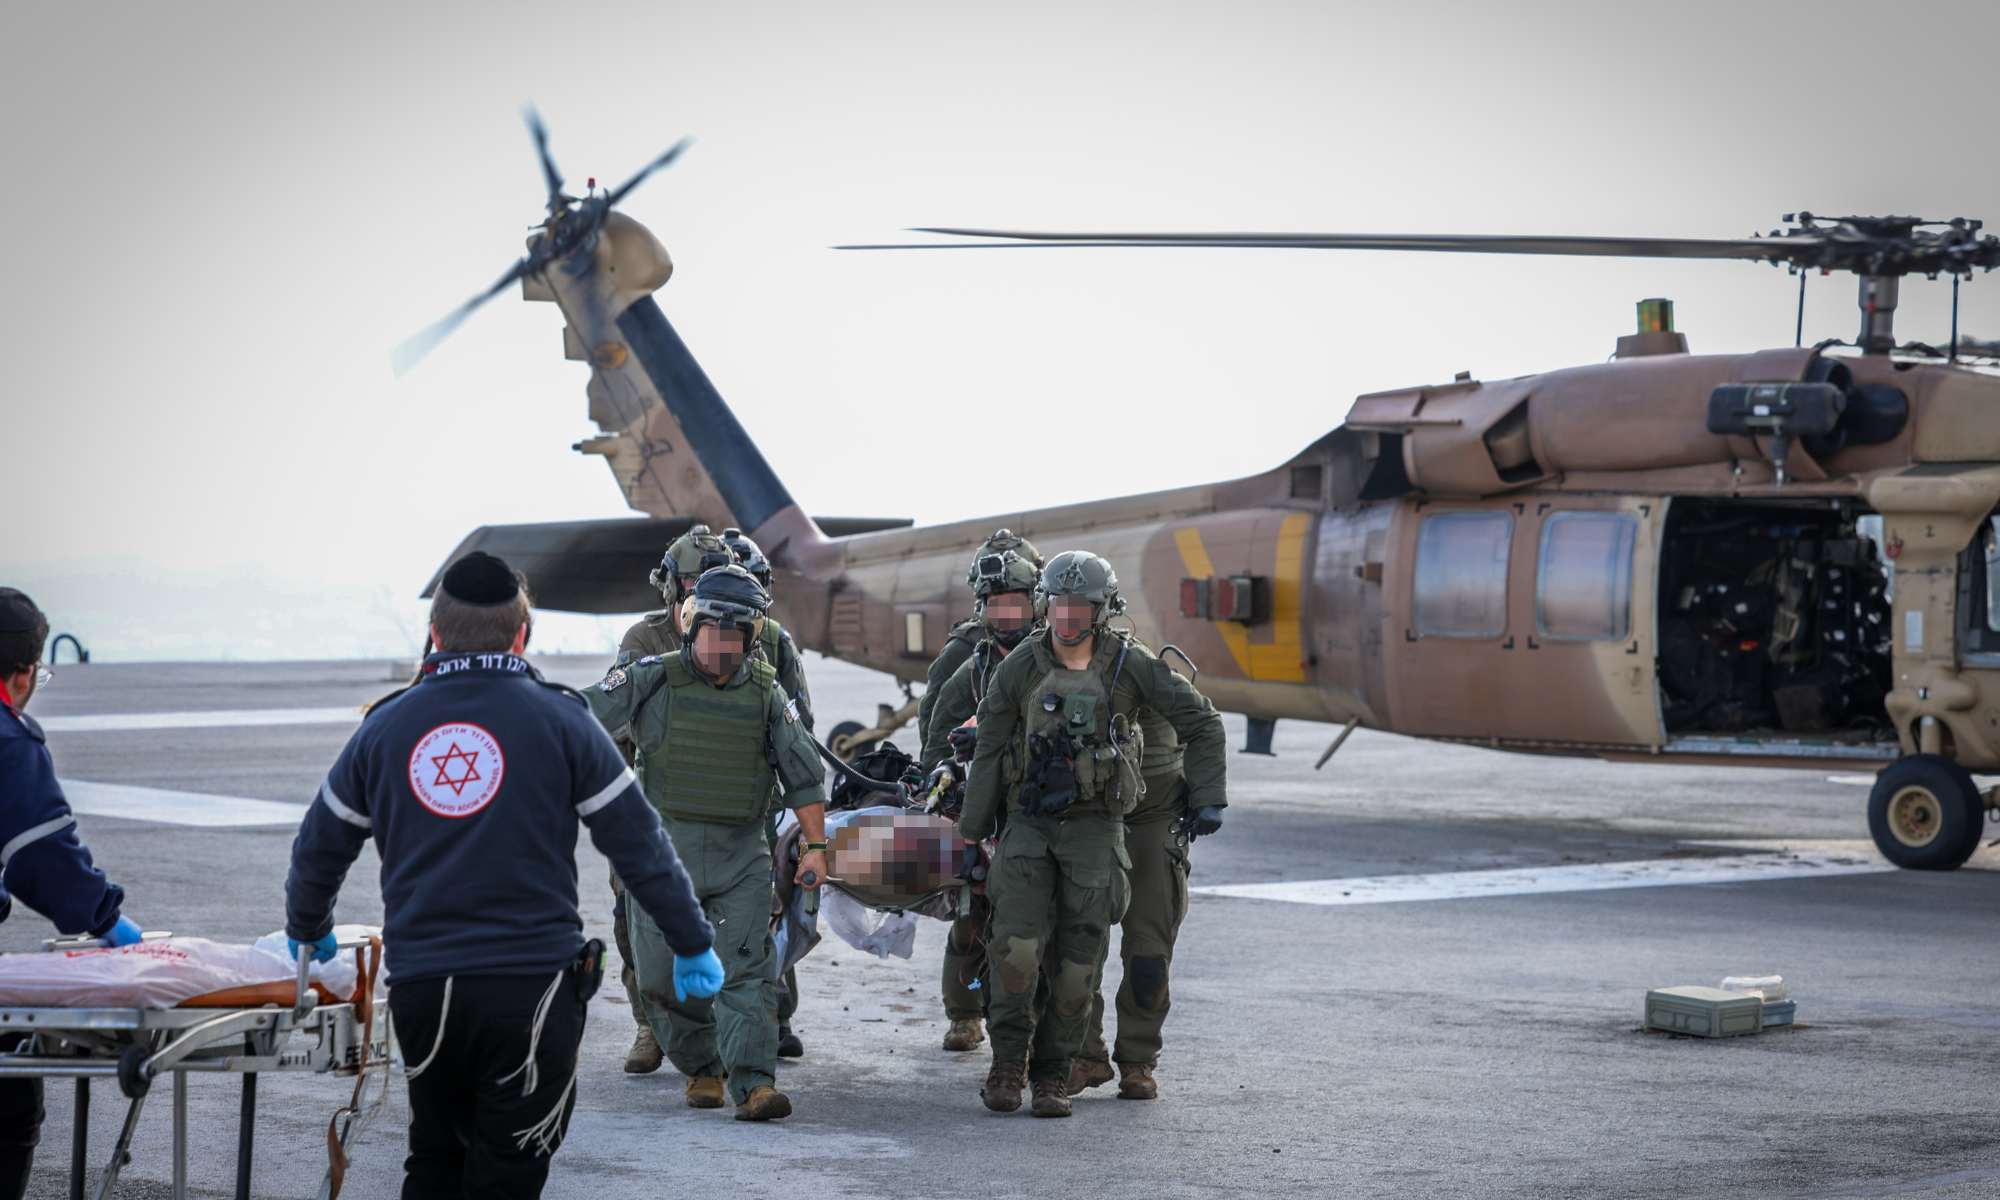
x=41 y=859
x=472 y=783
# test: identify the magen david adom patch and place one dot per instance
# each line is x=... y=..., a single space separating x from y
x=456 y=769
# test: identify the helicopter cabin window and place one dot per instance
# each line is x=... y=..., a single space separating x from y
x=1461 y=584
x=1991 y=540
x=1583 y=588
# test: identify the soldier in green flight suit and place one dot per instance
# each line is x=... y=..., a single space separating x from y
x=658 y=633
x=1003 y=587
x=968 y=633
x=716 y=738
x=777 y=646
x=1060 y=749
x=1159 y=832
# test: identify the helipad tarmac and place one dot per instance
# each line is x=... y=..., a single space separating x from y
x=1417 y=972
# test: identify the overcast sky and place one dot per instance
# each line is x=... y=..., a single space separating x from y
x=220 y=218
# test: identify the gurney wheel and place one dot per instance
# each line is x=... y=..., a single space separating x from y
x=132 y=1077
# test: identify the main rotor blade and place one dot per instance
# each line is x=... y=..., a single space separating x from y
x=550 y=175
x=1753 y=249
x=412 y=351
x=623 y=189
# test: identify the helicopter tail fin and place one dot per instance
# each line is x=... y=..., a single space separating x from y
x=672 y=442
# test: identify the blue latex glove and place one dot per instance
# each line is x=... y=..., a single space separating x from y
x=124 y=933
x=323 y=950
x=699 y=976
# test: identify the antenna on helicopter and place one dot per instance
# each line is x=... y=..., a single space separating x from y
x=569 y=231
x=1881 y=250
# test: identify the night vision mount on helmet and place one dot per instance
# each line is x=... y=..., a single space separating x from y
x=998 y=574
x=991 y=559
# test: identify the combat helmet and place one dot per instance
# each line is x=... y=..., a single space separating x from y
x=990 y=560
x=748 y=556
x=1083 y=574
x=728 y=596
x=1011 y=573
x=691 y=554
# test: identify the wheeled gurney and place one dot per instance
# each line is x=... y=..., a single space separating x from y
x=246 y=1031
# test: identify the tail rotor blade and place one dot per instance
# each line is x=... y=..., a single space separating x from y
x=412 y=351
x=622 y=190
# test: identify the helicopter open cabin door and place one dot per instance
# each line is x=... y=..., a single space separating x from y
x=1527 y=621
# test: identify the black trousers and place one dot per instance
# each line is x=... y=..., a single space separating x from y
x=492 y=1063
x=21 y=1117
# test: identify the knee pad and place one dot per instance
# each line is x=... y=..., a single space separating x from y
x=1149 y=982
x=1069 y=991
x=1019 y=966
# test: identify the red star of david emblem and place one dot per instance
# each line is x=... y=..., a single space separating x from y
x=457 y=782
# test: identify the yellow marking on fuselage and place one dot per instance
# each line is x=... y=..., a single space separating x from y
x=1282 y=659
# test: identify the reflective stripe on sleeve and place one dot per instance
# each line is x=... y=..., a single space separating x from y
x=611 y=792
x=30 y=836
x=337 y=808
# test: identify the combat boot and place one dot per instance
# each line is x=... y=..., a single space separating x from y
x=1087 y=1073
x=644 y=1056
x=789 y=1045
x=1136 y=1082
x=1051 y=1098
x=704 y=1091
x=1004 y=1082
x=764 y=1103
x=966 y=1033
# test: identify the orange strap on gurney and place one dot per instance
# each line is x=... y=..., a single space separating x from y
x=368 y=965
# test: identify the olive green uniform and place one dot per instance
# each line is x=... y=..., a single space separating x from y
x=711 y=759
x=1158 y=902
x=958 y=646
x=1058 y=882
x=657 y=634
x=957 y=700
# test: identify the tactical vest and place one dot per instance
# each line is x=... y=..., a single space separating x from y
x=1109 y=746
x=716 y=763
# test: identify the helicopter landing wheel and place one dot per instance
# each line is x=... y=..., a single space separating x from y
x=1926 y=813
x=841 y=733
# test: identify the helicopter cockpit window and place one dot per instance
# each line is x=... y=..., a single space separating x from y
x=1583 y=583
x=1461 y=582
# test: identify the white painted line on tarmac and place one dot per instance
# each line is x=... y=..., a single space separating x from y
x=1533 y=881
x=226 y=718
x=176 y=808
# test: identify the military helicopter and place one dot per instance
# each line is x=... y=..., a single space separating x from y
x=1787 y=558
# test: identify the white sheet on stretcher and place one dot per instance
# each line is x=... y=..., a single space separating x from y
x=162 y=974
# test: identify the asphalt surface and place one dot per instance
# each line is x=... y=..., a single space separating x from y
x=1475 y=1047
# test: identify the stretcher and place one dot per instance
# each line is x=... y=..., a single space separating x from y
x=245 y=1031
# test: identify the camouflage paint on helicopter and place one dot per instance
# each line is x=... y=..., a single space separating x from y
x=1776 y=558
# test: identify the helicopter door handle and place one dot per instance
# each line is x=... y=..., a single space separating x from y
x=1533 y=644
x=1508 y=644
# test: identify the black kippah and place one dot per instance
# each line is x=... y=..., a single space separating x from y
x=18 y=614
x=480 y=578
